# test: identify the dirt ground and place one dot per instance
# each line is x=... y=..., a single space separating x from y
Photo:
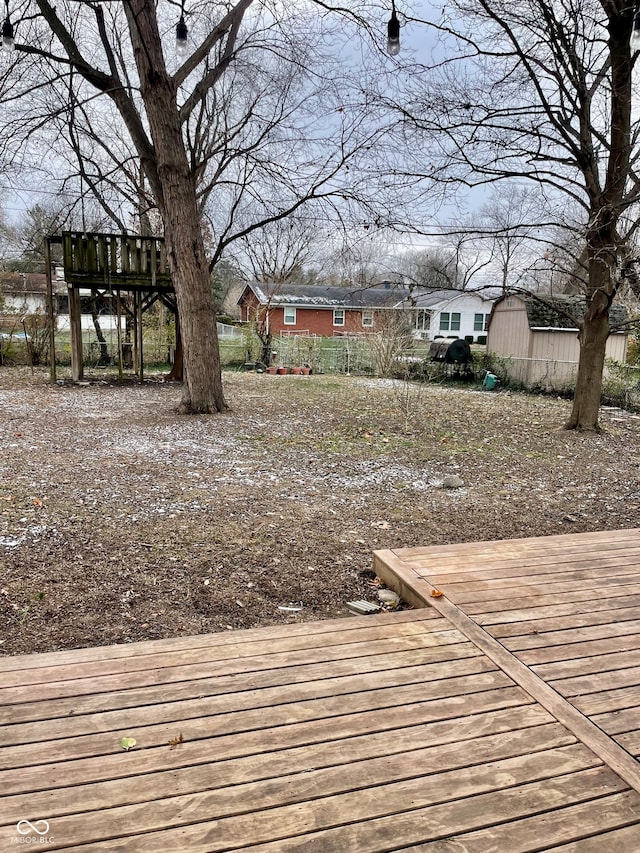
x=121 y=520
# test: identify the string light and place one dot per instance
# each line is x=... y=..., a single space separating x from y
x=634 y=41
x=8 y=42
x=393 y=32
x=182 y=34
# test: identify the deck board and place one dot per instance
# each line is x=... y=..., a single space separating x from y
x=574 y=622
x=500 y=717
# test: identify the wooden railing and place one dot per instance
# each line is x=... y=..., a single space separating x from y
x=115 y=261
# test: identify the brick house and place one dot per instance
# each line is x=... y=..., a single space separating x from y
x=320 y=309
x=330 y=311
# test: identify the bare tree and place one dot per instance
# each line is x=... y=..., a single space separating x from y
x=540 y=91
x=278 y=251
x=507 y=221
x=426 y=269
x=250 y=126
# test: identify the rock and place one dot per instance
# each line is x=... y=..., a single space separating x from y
x=452 y=481
x=389 y=597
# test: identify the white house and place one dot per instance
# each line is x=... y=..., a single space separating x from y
x=23 y=293
x=452 y=314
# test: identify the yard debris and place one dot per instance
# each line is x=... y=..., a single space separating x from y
x=127 y=743
x=389 y=598
x=363 y=608
x=452 y=481
x=176 y=741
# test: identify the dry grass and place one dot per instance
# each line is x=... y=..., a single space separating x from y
x=121 y=520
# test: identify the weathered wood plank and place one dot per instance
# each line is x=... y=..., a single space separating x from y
x=584 y=683
x=578 y=601
x=570 y=636
x=617 y=722
x=554 y=544
x=528 y=575
x=401 y=668
x=384 y=821
x=609 y=700
x=617 y=841
x=324 y=630
x=241 y=666
x=544 y=625
x=259 y=648
x=560 y=827
x=630 y=741
x=489 y=718
x=618 y=759
x=618 y=584
x=352 y=688
x=262 y=779
x=108 y=743
x=559 y=670
x=571 y=651
x=542 y=565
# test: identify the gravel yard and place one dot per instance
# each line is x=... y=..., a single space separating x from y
x=121 y=520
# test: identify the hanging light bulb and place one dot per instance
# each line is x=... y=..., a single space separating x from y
x=634 y=41
x=393 y=33
x=8 y=42
x=182 y=35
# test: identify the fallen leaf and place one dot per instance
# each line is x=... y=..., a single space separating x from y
x=37 y=501
x=436 y=593
x=176 y=741
x=128 y=743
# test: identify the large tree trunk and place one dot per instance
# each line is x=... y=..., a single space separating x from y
x=175 y=190
x=603 y=241
x=595 y=328
x=593 y=339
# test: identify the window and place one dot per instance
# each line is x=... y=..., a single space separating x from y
x=423 y=320
x=480 y=322
x=289 y=316
x=449 y=322
x=338 y=316
x=367 y=319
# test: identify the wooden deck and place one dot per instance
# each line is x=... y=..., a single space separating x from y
x=504 y=716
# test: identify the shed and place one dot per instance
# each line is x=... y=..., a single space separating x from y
x=539 y=337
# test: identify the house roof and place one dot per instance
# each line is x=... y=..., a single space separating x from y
x=324 y=296
x=434 y=298
x=387 y=295
x=14 y=283
x=561 y=313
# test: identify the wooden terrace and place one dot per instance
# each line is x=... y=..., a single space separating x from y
x=502 y=714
